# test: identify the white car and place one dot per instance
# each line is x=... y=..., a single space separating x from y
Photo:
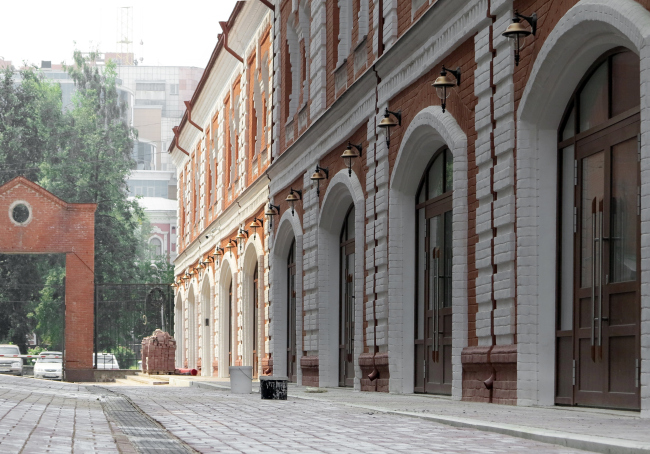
x=49 y=367
x=106 y=361
x=9 y=365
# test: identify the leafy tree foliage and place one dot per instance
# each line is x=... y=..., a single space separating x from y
x=82 y=155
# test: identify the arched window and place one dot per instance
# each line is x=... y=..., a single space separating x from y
x=597 y=324
x=155 y=245
x=433 y=310
x=346 y=301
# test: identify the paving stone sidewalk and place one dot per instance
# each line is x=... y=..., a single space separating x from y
x=600 y=430
x=38 y=416
x=217 y=421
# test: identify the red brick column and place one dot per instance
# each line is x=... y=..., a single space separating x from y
x=79 y=319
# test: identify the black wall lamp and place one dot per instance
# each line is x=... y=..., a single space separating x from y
x=444 y=83
x=187 y=276
x=517 y=33
x=272 y=210
x=256 y=224
x=349 y=154
x=231 y=244
x=293 y=197
x=205 y=263
x=387 y=123
x=321 y=173
x=218 y=251
x=242 y=234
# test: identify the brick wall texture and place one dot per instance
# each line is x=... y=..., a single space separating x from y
x=332 y=67
x=57 y=227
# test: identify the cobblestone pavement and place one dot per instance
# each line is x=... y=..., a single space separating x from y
x=217 y=421
x=49 y=417
x=591 y=422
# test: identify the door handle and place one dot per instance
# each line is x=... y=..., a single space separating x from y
x=600 y=281
x=593 y=279
x=436 y=304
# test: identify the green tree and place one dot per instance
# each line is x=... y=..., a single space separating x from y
x=93 y=163
x=30 y=122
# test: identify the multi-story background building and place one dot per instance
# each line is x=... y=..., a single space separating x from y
x=154 y=97
x=158 y=94
x=483 y=238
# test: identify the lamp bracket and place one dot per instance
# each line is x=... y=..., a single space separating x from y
x=323 y=169
x=397 y=115
x=297 y=191
x=358 y=147
x=532 y=21
x=454 y=72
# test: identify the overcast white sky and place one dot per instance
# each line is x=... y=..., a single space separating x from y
x=176 y=33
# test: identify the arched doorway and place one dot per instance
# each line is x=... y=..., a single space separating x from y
x=191 y=329
x=206 y=332
x=292 y=365
x=598 y=308
x=179 y=332
x=231 y=326
x=346 y=300
x=433 y=308
x=251 y=323
x=256 y=321
x=226 y=345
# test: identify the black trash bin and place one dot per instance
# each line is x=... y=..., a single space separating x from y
x=273 y=388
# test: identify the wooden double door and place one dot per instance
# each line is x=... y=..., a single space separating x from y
x=433 y=318
x=292 y=364
x=346 y=301
x=606 y=303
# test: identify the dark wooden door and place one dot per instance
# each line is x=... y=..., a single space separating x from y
x=255 y=322
x=346 y=315
x=433 y=371
x=292 y=369
x=230 y=324
x=606 y=270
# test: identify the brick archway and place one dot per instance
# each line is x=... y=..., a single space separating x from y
x=53 y=226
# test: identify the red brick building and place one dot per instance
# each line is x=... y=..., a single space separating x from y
x=492 y=250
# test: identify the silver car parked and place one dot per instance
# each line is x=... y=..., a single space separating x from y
x=49 y=367
x=8 y=364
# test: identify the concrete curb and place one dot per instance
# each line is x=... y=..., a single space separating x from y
x=603 y=445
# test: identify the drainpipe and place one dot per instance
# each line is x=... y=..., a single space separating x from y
x=178 y=144
x=224 y=27
x=489 y=383
x=188 y=106
x=269 y=5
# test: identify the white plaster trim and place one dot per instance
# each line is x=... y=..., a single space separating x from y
x=289 y=228
x=429 y=130
x=342 y=191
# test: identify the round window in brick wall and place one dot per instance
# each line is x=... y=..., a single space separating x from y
x=20 y=213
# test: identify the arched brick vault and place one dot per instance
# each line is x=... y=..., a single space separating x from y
x=584 y=33
x=58 y=227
